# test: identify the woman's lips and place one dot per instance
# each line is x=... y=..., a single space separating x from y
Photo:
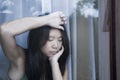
x=53 y=52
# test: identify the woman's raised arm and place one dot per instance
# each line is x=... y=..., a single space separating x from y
x=24 y=24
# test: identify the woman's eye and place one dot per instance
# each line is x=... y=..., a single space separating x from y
x=60 y=40
x=50 y=39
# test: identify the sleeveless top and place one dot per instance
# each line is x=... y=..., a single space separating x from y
x=24 y=78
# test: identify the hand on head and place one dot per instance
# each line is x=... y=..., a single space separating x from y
x=57 y=19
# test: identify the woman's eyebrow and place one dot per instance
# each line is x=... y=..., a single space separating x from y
x=51 y=36
x=54 y=36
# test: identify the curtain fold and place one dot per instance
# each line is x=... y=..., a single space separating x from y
x=104 y=40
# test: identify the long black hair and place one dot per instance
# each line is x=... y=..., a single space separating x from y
x=37 y=66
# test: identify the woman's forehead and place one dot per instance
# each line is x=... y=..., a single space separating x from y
x=55 y=32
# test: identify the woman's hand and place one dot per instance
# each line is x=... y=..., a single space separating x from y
x=56 y=73
x=55 y=57
x=57 y=19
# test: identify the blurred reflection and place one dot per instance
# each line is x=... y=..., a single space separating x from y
x=87 y=8
x=6 y=6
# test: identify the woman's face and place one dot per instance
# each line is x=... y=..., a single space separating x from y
x=53 y=44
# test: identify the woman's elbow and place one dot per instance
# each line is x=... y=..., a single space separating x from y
x=4 y=31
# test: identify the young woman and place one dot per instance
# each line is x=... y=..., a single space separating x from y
x=48 y=49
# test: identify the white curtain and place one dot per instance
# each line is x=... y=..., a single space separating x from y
x=14 y=9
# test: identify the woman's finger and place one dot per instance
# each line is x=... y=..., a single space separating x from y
x=61 y=27
x=64 y=19
x=61 y=51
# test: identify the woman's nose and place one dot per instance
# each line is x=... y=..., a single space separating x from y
x=55 y=45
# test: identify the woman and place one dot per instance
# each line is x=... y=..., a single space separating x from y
x=45 y=58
